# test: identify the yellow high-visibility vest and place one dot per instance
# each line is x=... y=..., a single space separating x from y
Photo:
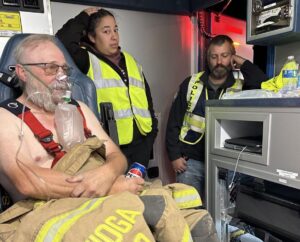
x=193 y=126
x=129 y=103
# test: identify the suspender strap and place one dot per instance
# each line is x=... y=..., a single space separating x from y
x=87 y=131
x=44 y=136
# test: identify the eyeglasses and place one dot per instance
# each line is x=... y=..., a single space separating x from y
x=51 y=68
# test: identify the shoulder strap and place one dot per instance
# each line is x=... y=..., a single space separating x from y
x=43 y=135
x=194 y=91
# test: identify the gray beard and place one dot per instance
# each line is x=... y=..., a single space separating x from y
x=43 y=97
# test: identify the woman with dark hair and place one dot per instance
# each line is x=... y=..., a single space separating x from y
x=92 y=39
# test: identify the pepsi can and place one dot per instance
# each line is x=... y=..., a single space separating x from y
x=136 y=170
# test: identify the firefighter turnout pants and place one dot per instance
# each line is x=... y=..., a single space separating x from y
x=158 y=214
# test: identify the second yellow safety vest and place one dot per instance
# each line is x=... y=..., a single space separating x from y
x=193 y=126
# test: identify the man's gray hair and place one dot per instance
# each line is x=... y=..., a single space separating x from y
x=31 y=42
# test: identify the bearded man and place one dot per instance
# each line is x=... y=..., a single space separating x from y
x=25 y=165
x=186 y=125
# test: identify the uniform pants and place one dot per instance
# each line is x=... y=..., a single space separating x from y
x=194 y=175
x=139 y=151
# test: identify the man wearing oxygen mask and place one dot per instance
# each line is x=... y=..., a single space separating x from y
x=24 y=163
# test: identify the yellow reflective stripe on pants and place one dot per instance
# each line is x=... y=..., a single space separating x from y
x=187 y=237
x=54 y=229
x=188 y=198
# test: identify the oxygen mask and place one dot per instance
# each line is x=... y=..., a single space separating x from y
x=61 y=88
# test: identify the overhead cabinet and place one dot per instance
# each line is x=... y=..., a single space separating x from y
x=185 y=7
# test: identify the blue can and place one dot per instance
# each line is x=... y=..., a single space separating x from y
x=136 y=170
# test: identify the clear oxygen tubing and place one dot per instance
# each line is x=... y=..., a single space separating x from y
x=23 y=166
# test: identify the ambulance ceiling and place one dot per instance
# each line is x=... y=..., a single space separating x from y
x=185 y=7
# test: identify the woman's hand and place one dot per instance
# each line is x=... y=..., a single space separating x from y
x=92 y=10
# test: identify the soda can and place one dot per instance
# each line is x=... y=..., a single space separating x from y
x=136 y=170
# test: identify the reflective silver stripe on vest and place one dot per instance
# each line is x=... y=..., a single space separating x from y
x=110 y=83
x=195 y=122
x=194 y=128
x=142 y=112
x=125 y=113
x=107 y=83
x=136 y=83
x=236 y=87
x=94 y=61
x=100 y=82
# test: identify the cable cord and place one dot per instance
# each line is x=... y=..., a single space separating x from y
x=235 y=168
x=218 y=16
x=23 y=166
x=201 y=25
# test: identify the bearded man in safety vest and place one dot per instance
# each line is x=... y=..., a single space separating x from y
x=186 y=124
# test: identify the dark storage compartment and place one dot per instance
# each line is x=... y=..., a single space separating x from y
x=271 y=207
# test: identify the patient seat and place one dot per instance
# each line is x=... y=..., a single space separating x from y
x=83 y=88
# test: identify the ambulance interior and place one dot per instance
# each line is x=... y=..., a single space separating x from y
x=169 y=39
